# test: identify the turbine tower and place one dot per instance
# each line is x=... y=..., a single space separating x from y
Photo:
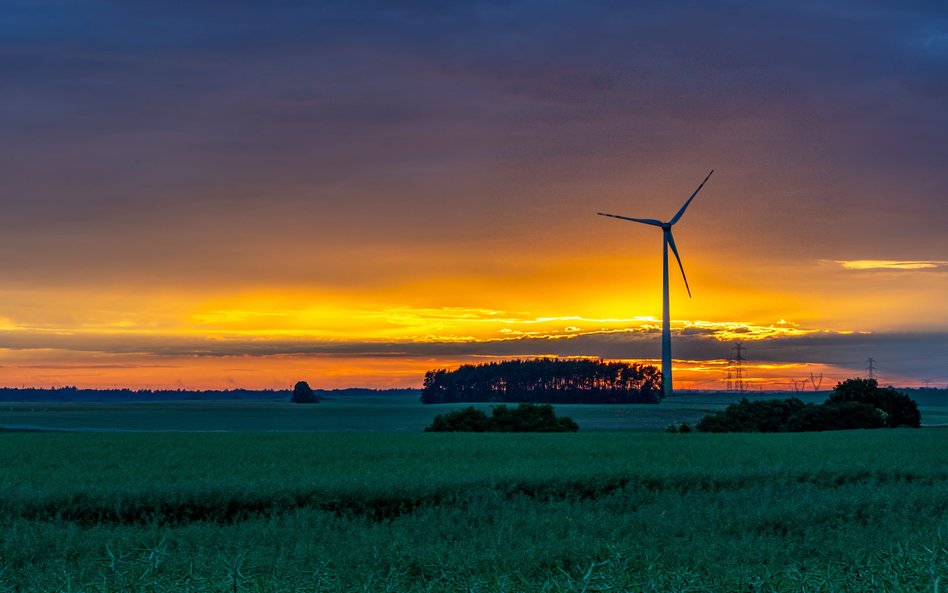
x=668 y=240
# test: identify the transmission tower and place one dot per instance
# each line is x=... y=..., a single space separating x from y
x=739 y=367
x=729 y=374
x=871 y=367
x=816 y=381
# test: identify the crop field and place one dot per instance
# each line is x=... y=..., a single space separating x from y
x=358 y=414
x=388 y=414
x=385 y=511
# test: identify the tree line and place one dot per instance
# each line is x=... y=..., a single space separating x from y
x=75 y=394
x=72 y=393
x=546 y=380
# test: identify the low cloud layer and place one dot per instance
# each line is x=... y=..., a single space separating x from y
x=908 y=355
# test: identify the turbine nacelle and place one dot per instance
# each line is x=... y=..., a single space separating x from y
x=667 y=227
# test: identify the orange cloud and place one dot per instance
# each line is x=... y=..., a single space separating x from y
x=887 y=264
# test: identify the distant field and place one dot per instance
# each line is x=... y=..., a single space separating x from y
x=597 y=511
x=362 y=413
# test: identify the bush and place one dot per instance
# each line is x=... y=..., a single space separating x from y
x=855 y=403
x=900 y=409
x=467 y=420
x=303 y=394
x=523 y=418
x=678 y=427
x=836 y=416
x=746 y=416
x=530 y=418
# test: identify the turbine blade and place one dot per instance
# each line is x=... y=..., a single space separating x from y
x=682 y=211
x=671 y=243
x=650 y=221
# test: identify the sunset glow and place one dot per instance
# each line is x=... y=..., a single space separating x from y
x=258 y=204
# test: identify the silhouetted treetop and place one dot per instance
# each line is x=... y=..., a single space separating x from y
x=898 y=408
x=303 y=394
x=550 y=380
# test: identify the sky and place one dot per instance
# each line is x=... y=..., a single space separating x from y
x=214 y=195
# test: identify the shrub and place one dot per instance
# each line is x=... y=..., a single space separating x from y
x=900 y=409
x=523 y=418
x=530 y=418
x=836 y=416
x=855 y=403
x=747 y=416
x=678 y=427
x=467 y=420
x=303 y=394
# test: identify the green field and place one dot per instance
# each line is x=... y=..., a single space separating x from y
x=356 y=414
x=398 y=414
x=593 y=511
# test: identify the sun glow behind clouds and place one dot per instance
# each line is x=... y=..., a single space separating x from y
x=456 y=324
x=273 y=340
x=388 y=335
x=734 y=330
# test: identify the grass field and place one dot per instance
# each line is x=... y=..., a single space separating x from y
x=356 y=414
x=596 y=511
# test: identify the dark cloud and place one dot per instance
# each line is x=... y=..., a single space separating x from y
x=193 y=76
x=903 y=354
x=169 y=99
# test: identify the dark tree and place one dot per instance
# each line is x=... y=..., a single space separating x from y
x=303 y=394
x=548 y=380
x=898 y=409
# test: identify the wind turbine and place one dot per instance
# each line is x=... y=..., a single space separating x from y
x=668 y=240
